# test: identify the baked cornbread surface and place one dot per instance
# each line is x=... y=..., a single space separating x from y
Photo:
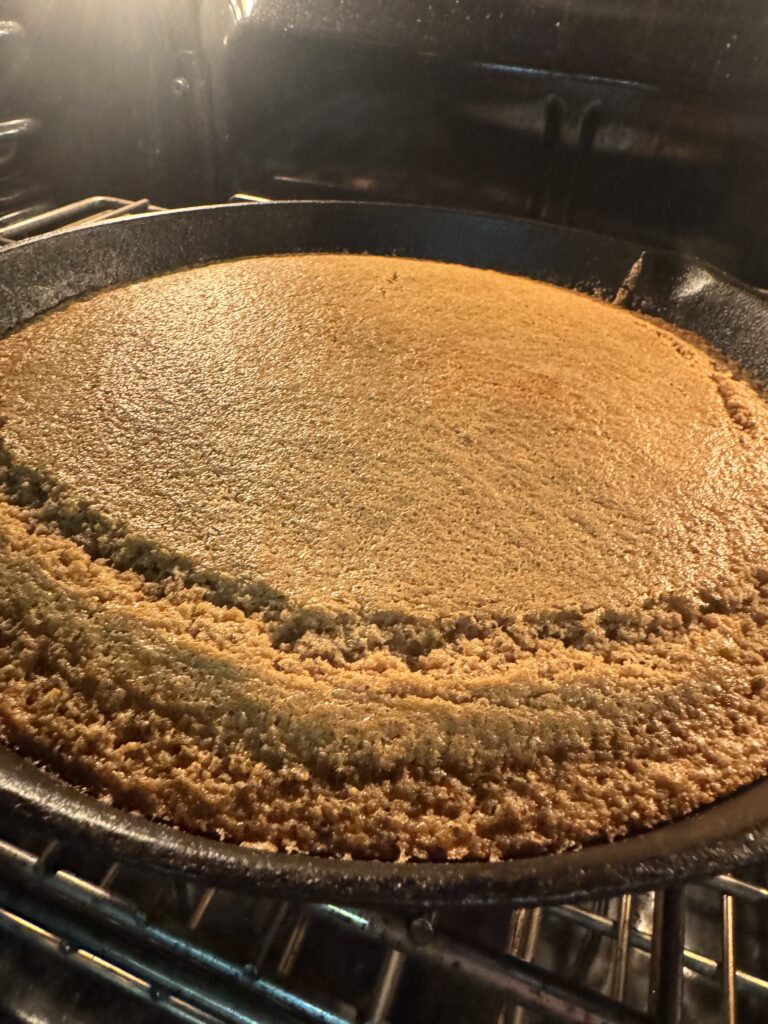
x=374 y=557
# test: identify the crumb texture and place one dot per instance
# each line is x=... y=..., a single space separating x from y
x=381 y=558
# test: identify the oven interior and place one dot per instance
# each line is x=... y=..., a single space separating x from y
x=646 y=122
x=643 y=121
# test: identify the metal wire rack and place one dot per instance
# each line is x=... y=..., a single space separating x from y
x=25 y=224
x=192 y=953
x=157 y=947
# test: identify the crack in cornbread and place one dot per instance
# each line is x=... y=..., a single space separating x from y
x=583 y=654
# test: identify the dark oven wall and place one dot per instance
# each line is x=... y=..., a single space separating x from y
x=641 y=120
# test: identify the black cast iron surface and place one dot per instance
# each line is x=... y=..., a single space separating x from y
x=37 y=275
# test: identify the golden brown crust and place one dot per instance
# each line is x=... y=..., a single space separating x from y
x=612 y=677
x=368 y=434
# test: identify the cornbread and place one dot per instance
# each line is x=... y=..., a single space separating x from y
x=375 y=557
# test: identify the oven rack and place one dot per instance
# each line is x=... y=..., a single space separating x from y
x=180 y=950
x=200 y=954
x=25 y=224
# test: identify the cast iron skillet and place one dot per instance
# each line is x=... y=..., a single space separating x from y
x=36 y=275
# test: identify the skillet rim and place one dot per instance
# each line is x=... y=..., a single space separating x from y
x=37 y=274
